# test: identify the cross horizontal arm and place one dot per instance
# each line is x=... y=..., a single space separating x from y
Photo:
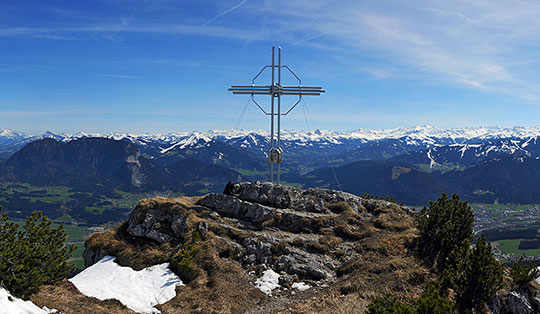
x=281 y=93
x=302 y=93
x=251 y=86
x=283 y=86
x=282 y=90
x=252 y=93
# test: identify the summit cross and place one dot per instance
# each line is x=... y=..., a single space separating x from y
x=276 y=90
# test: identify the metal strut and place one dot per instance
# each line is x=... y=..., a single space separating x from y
x=276 y=90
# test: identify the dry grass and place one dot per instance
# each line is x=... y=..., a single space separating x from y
x=398 y=277
x=222 y=286
x=171 y=205
x=129 y=251
x=65 y=297
x=179 y=205
x=339 y=207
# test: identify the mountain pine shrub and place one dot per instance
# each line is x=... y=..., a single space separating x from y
x=432 y=301
x=446 y=234
x=523 y=273
x=444 y=225
x=389 y=305
x=33 y=255
x=182 y=263
x=475 y=277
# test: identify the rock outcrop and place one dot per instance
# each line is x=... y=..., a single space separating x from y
x=515 y=302
x=264 y=248
x=157 y=225
x=323 y=241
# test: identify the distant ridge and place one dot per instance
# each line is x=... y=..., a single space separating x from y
x=453 y=160
x=423 y=132
x=88 y=163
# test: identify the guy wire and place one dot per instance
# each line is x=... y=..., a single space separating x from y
x=306 y=110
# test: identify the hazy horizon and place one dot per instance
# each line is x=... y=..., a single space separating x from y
x=243 y=130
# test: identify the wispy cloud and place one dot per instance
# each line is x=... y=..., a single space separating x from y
x=17 y=69
x=470 y=43
x=170 y=29
x=225 y=12
x=121 y=76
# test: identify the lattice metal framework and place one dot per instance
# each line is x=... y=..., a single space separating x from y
x=276 y=90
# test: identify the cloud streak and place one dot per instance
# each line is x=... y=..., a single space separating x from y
x=225 y=12
x=165 y=29
x=474 y=44
x=120 y=76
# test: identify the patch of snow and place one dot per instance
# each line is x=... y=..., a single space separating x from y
x=268 y=282
x=138 y=290
x=13 y=305
x=432 y=162
x=300 y=286
x=463 y=150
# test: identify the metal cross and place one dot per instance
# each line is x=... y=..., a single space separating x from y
x=276 y=90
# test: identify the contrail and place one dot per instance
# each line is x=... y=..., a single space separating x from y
x=121 y=76
x=225 y=12
x=307 y=39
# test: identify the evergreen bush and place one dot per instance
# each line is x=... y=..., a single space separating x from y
x=33 y=255
x=432 y=301
x=182 y=263
x=444 y=225
x=523 y=273
x=476 y=277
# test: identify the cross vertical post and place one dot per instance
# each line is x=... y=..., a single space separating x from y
x=272 y=119
x=276 y=90
x=279 y=112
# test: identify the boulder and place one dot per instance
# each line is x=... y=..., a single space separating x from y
x=233 y=207
x=282 y=196
x=513 y=302
x=223 y=204
x=257 y=252
x=264 y=193
x=305 y=265
x=158 y=225
x=518 y=302
x=92 y=255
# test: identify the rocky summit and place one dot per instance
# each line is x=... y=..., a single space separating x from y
x=328 y=249
x=264 y=248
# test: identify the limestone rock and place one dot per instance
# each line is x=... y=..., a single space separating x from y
x=234 y=207
x=261 y=192
x=513 y=302
x=202 y=227
x=157 y=225
x=281 y=196
x=518 y=302
x=92 y=255
x=305 y=265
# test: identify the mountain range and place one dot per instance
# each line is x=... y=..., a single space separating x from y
x=414 y=165
x=88 y=162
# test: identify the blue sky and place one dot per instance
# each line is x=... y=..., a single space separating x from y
x=165 y=66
